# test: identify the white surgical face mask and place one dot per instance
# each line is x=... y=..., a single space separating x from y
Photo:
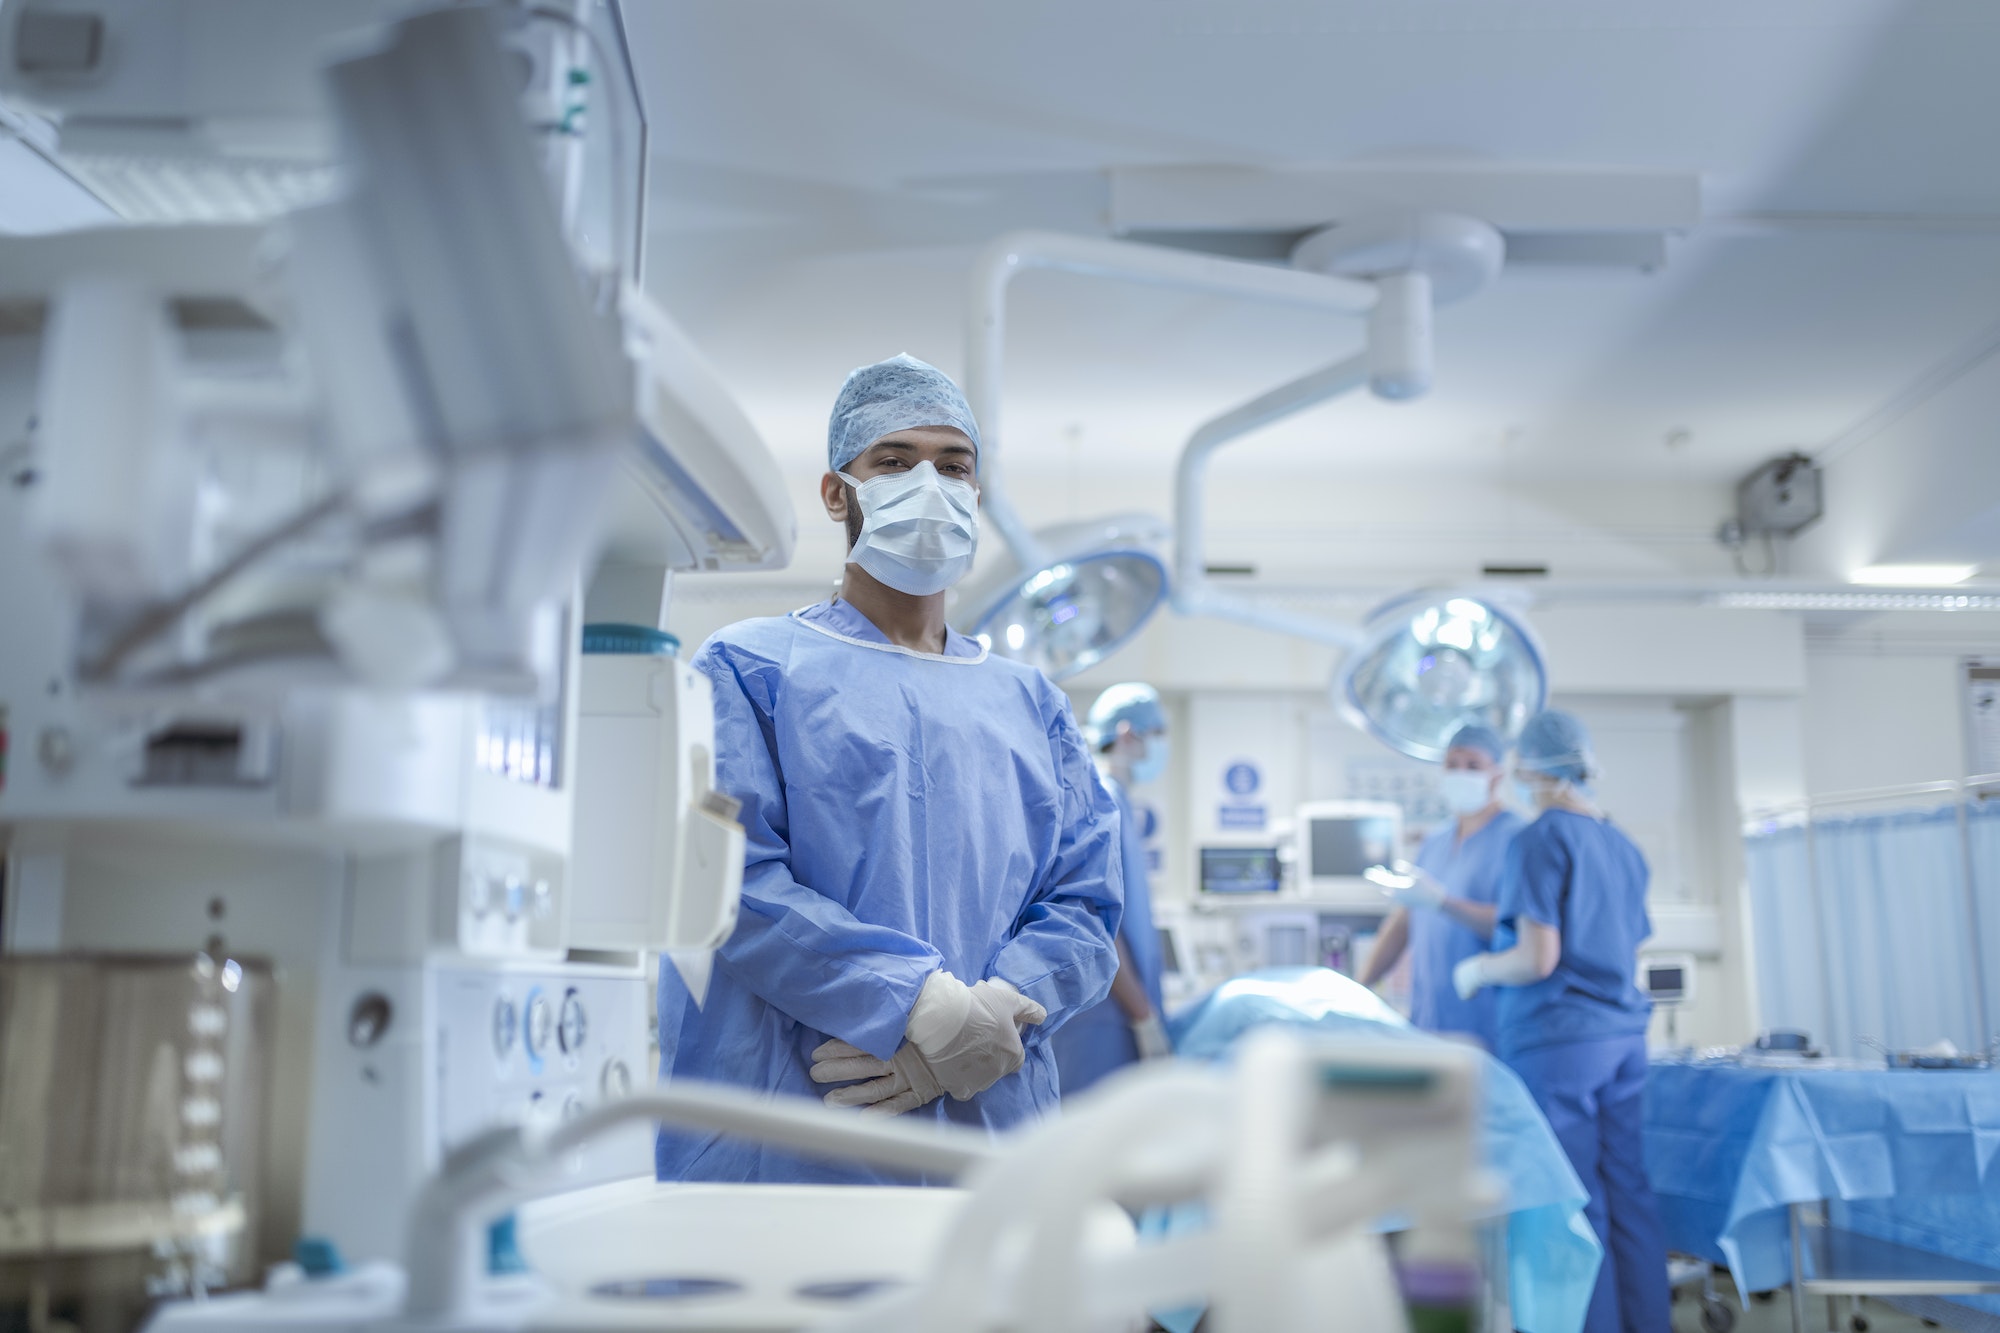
x=919 y=531
x=1467 y=790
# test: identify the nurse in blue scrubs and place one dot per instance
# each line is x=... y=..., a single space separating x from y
x=1127 y=731
x=1572 y=915
x=1446 y=899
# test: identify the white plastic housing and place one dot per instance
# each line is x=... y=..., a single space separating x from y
x=116 y=503
x=655 y=863
x=1401 y=356
x=698 y=488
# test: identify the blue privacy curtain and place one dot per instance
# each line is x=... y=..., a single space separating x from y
x=1862 y=929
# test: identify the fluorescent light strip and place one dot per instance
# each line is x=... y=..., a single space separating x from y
x=1915 y=576
x=1857 y=601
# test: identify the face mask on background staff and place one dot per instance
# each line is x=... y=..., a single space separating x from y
x=919 y=531
x=1466 y=790
x=1152 y=765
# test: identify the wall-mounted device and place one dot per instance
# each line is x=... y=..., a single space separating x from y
x=1781 y=497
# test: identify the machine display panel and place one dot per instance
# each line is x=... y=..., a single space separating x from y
x=1239 y=870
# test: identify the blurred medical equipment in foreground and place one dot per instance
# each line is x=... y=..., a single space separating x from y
x=302 y=533
x=1541 y=1256
x=1294 y=1151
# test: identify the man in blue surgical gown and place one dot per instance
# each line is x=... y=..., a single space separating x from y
x=932 y=880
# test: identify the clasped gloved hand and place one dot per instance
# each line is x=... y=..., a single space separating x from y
x=901 y=1083
x=961 y=1040
x=970 y=1036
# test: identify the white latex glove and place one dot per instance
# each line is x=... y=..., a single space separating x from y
x=1151 y=1034
x=970 y=1036
x=1469 y=976
x=894 y=1086
x=1410 y=885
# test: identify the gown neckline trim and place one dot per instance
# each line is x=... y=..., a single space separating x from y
x=897 y=648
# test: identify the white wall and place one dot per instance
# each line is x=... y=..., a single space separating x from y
x=1924 y=488
x=1881 y=721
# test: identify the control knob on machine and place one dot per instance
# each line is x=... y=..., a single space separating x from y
x=575 y=1026
x=538 y=1029
x=505 y=1023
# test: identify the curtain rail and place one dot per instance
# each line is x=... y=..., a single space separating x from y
x=1979 y=782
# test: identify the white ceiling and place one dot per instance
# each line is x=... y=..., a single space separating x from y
x=823 y=174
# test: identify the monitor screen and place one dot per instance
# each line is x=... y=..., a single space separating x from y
x=1239 y=870
x=1342 y=846
x=1665 y=979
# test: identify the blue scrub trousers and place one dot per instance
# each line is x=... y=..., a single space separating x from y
x=1591 y=1091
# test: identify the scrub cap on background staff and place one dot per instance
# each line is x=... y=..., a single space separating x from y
x=889 y=396
x=1132 y=702
x=1555 y=743
x=1473 y=736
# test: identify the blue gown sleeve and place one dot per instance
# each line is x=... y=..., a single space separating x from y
x=1536 y=882
x=794 y=948
x=1061 y=954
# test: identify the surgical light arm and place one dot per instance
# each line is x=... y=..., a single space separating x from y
x=1016 y=252
x=1193 y=594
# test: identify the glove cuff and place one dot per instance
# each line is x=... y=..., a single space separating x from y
x=939 y=1013
x=917 y=1072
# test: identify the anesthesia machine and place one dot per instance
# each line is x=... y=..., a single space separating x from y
x=305 y=514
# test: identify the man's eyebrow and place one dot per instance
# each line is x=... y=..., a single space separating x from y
x=893 y=444
x=955 y=449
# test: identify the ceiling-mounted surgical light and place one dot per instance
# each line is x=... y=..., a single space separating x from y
x=1433 y=663
x=1065 y=603
x=1098 y=587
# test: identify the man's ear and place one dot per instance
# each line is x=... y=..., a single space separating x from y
x=835 y=495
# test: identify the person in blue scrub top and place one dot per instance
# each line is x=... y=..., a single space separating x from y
x=932 y=875
x=1446 y=898
x=1127 y=730
x=1572 y=915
